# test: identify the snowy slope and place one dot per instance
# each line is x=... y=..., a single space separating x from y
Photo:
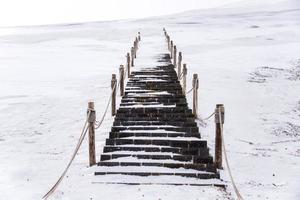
x=247 y=57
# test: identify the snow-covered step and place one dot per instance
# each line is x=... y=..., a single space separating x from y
x=153 y=163
x=154 y=171
x=194 y=130
x=151 y=134
x=154 y=148
x=150 y=118
x=153 y=123
x=156 y=180
x=183 y=158
x=160 y=142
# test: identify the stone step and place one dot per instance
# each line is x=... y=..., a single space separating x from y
x=183 y=151
x=156 y=72
x=155 y=110
x=146 y=134
x=156 y=87
x=152 y=83
x=153 y=116
x=148 y=92
x=151 y=123
x=132 y=104
x=153 y=99
x=156 y=95
x=155 y=128
x=162 y=119
x=159 y=142
x=191 y=175
x=201 y=167
x=182 y=158
x=134 y=78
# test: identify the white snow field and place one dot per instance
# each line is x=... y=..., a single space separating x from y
x=246 y=55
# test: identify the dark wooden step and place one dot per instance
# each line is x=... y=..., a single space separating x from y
x=183 y=151
x=201 y=167
x=113 y=135
x=159 y=142
x=152 y=123
x=155 y=118
x=194 y=129
x=191 y=175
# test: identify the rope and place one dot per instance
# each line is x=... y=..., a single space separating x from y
x=106 y=109
x=181 y=76
x=81 y=138
x=239 y=196
x=207 y=118
x=189 y=91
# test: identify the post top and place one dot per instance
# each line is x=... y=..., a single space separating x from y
x=91 y=105
x=113 y=76
x=195 y=76
x=219 y=105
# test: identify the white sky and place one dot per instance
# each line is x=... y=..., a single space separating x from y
x=34 y=12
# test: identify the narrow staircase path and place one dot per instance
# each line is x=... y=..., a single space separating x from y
x=154 y=132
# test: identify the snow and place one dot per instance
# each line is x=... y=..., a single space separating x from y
x=49 y=73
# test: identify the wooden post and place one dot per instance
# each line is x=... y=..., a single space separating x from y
x=179 y=64
x=128 y=64
x=219 y=126
x=113 y=94
x=169 y=43
x=184 y=73
x=174 y=56
x=121 y=78
x=132 y=56
x=171 y=49
x=136 y=44
x=195 y=95
x=134 y=49
x=139 y=36
x=91 y=126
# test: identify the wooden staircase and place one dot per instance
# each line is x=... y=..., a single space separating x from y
x=154 y=132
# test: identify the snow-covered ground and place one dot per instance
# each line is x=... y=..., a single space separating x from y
x=247 y=58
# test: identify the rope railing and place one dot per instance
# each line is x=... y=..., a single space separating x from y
x=238 y=194
x=80 y=140
x=91 y=119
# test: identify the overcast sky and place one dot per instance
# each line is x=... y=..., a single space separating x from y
x=35 y=12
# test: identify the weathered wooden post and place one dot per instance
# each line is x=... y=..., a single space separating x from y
x=219 y=120
x=174 y=56
x=134 y=49
x=139 y=36
x=113 y=94
x=171 y=49
x=132 y=56
x=195 y=95
x=128 y=64
x=184 y=73
x=121 y=78
x=91 y=127
x=136 y=44
x=179 y=64
x=169 y=43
